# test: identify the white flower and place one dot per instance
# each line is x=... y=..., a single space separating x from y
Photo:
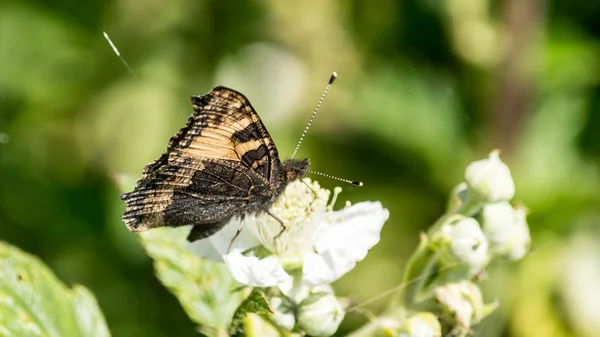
x=303 y=213
x=343 y=242
x=322 y=243
x=215 y=246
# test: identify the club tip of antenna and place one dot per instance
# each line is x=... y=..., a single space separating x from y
x=357 y=183
x=332 y=78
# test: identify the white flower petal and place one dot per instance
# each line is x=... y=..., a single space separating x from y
x=222 y=238
x=316 y=270
x=215 y=246
x=344 y=243
x=356 y=230
x=250 y=271
x=205 y=249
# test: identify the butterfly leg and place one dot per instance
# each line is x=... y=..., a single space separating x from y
x=283 y=228
x=313 y=191
x=237 y=233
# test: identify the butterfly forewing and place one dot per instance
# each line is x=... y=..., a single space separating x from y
x=221 y=163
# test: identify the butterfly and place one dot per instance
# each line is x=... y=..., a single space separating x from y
x=222 y=163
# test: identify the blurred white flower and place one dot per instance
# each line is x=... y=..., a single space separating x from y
x=461 y=243
x=322 y=243
x=578 y=259
x=489 y=180
x=281 y=74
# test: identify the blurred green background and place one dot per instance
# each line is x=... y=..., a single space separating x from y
x=424 y=88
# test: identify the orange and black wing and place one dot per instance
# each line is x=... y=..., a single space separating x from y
x=221 y=163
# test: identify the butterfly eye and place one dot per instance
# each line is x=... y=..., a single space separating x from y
x=291 y=175
x=304 y=164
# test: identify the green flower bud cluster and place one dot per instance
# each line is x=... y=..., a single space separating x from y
x=480 y=225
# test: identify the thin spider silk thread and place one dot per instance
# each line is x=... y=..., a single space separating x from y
x=399 y=287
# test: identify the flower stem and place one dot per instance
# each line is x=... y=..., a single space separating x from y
x=418 y=270
x=417 y=275
x=470 y=207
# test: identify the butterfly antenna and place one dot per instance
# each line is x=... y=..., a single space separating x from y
x=355 y=183
x=114 y=48
x=312 y=117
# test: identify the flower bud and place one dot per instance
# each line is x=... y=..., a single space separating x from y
x=461 y=242
x=422 y=324
x=320 y=314
x=517 y=238
x=489 y=180
x=283 y=313
x=462 y=305
x=497 y=222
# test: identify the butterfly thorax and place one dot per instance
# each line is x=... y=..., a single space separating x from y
x=291 y=170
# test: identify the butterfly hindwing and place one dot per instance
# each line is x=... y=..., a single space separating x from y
x=221 y=163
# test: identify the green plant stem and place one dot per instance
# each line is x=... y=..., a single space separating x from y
x=470 y=207
x=417 y=270
x=417 y=275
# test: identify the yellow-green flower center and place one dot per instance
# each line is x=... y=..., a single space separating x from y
x=299 y=207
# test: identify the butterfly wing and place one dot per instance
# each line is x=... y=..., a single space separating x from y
x=221 y=163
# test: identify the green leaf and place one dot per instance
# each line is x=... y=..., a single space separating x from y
x=205 y=289
x=256 y=303
x=33 y=302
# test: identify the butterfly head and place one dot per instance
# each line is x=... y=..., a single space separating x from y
x=293 y=169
